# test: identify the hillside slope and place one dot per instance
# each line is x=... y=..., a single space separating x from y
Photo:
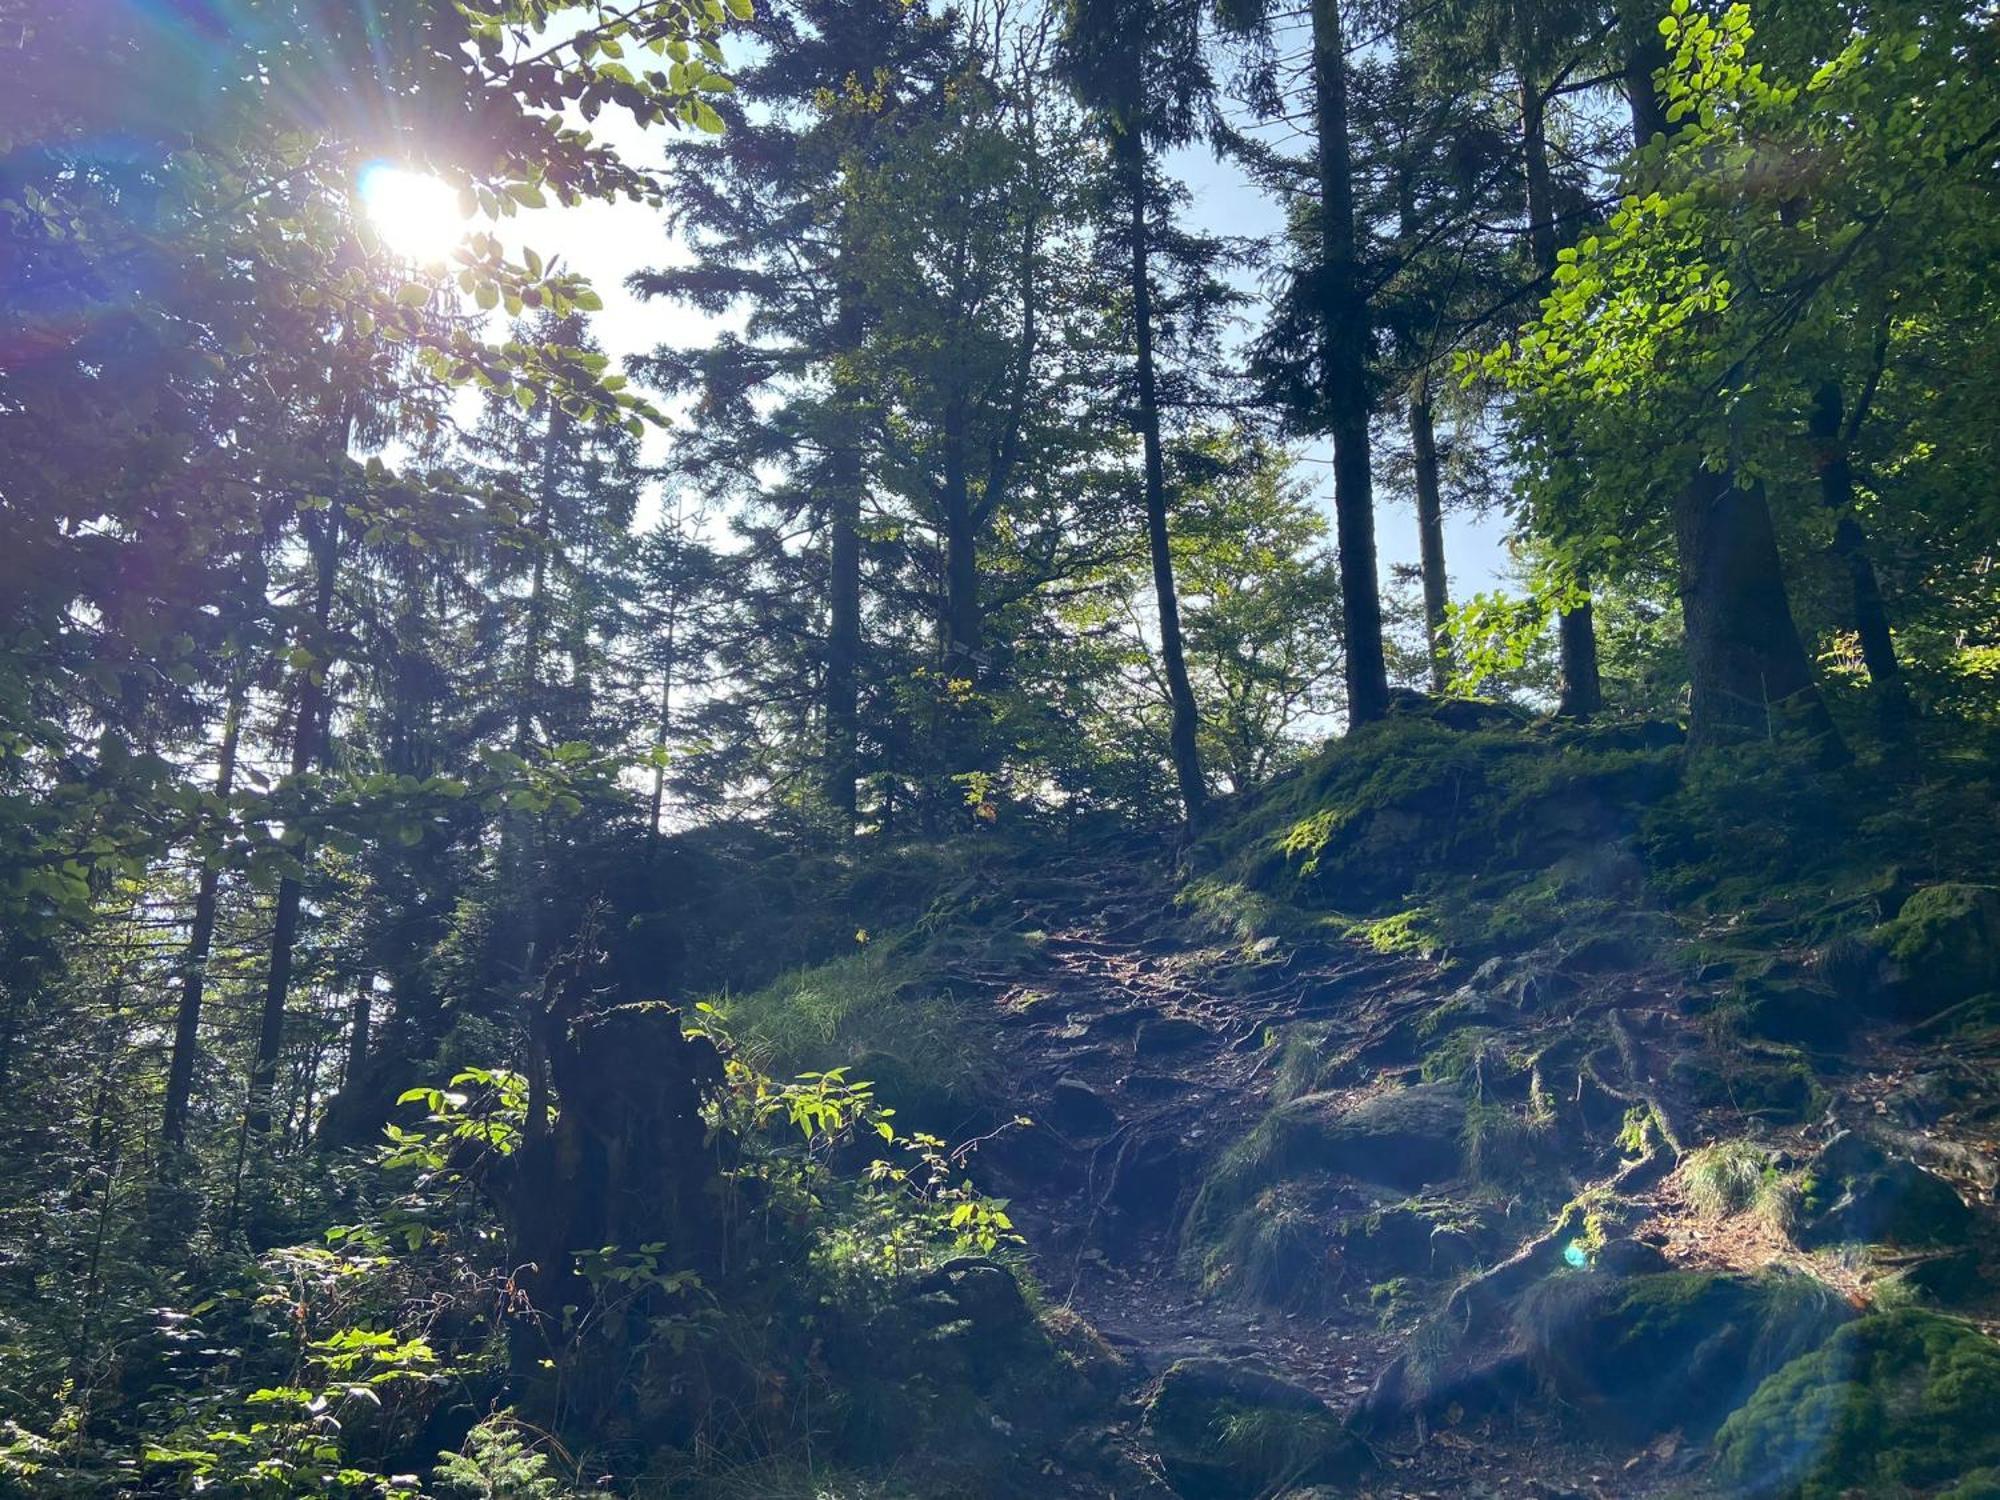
x=1440 y=1126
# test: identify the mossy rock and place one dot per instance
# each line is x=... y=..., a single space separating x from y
x=1761 y=1080
x=1943 y=947
x=1642 y=1354
x=1900 y=1403
x=1789 y=1010
x=1225 y=1430
x=1406 y=1138
x=1304 y=1246
x=1854 y=1192
x=942 y=1374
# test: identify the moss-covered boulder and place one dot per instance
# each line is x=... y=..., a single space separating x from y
x=1643 y=1354
x=1854 y=1192
x=1225 y=1430
x=1750 y=1077
x=1943 y=947
x=1404 y=1138
x=1794 y=1011
x=1900 y=1403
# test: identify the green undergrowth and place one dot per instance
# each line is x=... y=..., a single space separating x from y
x=1737 y=1177
x=895 y=1009
x=1454 y=827
x=1420 y=833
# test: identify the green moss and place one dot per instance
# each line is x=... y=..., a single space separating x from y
x=1945 y=943
x=1854 y=1192
x=1497 y=830
x=1475 y=1050
x=883 y=1013
x=1760 y=1080
x=1404 y=1138
x=1673 y=1349
x=1274 y=1253
x=1892 y=1404
x=1507 y=1148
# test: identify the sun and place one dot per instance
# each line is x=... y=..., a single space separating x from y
x=416 y=215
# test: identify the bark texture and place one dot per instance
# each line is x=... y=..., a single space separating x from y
x=1184 y=722
x=1344 y=341
x=1430 y=536
x=1749 y=674
x=1830 y=440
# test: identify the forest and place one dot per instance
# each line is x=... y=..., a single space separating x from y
x=844 y=865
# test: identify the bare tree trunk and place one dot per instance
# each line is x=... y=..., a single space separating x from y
x=840 y=757
x=306 y=736
x=961 y=622
x=661 y=728
x=194 y=963
x=1182 y=726
x=1430 y=533
x=1344 y=334
x=1831 y=439
x=1646 y=56
x=360 y=1017
x=1580 y=692
x=1749 y=673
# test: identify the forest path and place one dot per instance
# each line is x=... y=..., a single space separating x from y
x=1141 y=1051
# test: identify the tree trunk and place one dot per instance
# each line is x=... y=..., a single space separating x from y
x=194 y=963
x=1647 y=55
x=1749 y=673
x=1181 y=731
x=528 y=688
x=1430 y=534
x=627 y=1162
x=840 y=756
x=662 y=727
x=1580 y=691
x=961 y=622
x=1344 y=335
x=361 y=1017
x=306 y=735
x=1850 y=545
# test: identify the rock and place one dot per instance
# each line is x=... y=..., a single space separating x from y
x=1077 y=1109
x=1406 y=1138
x=1153 y=1085
x=1117 y=1023
x=1942 y=1276
x=1894 y=1404
x=1761 y=1079
x=1452 y=1250
x=1943 y=947
x=1167 y=1034
x=1147 y=1178
x=1626 y=1257
x=1926 y=1098
x=1855 y=1192
x=1785 y=1010
x=1225 y=1430
x=976 y=1291
x=1679 y=1349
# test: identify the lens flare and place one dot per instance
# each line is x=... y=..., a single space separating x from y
x=416 y=215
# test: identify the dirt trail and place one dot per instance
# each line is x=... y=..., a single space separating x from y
x=1141 y=1056
x=1141 y=1053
